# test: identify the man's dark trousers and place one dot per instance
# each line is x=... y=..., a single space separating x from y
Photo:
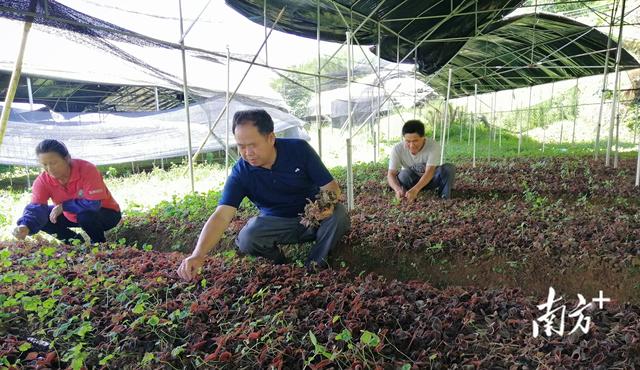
x=262 y=234
x=442 y=180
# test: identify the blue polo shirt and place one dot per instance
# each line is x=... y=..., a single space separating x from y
x=282 y=191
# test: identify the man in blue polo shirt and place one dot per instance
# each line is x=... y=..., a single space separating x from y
x=279 y=176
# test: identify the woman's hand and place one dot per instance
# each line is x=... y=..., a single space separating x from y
x=55 y=213
x=21 y=232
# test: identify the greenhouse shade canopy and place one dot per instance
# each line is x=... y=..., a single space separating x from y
x=474 y=37
x=528 y=50
x=439 y=28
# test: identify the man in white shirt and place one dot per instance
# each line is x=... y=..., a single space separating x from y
x=414 y=165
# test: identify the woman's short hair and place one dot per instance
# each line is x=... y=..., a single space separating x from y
x=52 y=146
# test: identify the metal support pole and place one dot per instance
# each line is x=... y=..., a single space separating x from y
x=435 y=124
x=185 y=92
x=30 y=93
x=520 y=130
x=473 y=121
x=318 y=83
x=461 y=126
x=638 y=167
x=445 y=123
x=493 y=116
x=350 y=202
x=544 y=126
x=442 y=118
x=575 y=110
x=264 y=24
x=397 y=75
x=528 y=118
x=492 y=124
x=378 y=115
x=596 y=148
x=616 y=87
x=461 y=121
x=617 y=151
x=448 y=125
x=388 y=126
x=157 y=100
x=415 y=83
x=14 y=81
x=490 y=120
x=398 y=58
x=227 y=126
x=184 y=34
x=26 y=167
x=31 y=109
x=469 y=123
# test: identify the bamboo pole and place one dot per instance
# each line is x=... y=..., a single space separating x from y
x=15 y=80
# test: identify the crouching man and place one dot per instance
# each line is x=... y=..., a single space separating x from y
x=278 y=176
x=414 y=165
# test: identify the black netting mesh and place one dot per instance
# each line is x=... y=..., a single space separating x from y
x=86 y=30
x=64 y=18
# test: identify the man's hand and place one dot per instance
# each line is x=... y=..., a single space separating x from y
x=325 y=214
x=21 y=232
x=411 y=195
x=209 y=237
x=55 y=213
x=400 y=193
x=190 y=266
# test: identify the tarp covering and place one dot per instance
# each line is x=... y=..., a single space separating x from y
x=106 y=138
x=527 y=50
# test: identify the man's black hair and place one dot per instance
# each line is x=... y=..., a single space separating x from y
x=258 y=117
x=413 y=126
